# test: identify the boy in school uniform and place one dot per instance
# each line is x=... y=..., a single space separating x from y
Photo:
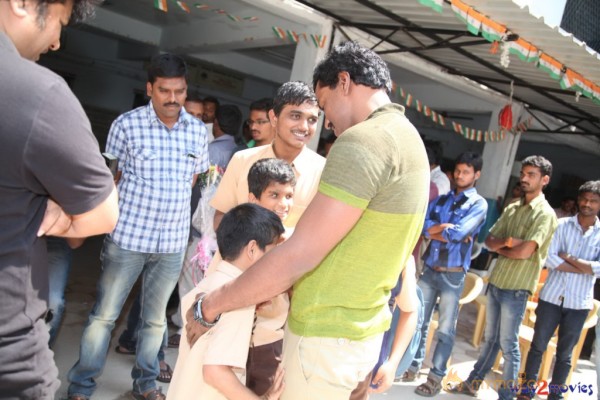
x=214 y=368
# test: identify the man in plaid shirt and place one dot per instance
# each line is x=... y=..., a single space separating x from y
x=161 y=150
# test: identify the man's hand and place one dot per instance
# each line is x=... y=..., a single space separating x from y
x=384 y=378
x=55 y=221
x=193 y=329
x=277 y=387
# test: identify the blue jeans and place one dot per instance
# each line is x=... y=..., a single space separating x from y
x=447 y=286
x=120 y=270
x=570 y=323
x=505 y=309
x=59 y=265
x=128 y=338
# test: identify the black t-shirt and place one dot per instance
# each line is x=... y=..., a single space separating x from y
x=47 y=149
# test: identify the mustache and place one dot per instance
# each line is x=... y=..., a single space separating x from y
x=171 y=104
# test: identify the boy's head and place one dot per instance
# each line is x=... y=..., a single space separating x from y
x=271 y=183
x=248 y=229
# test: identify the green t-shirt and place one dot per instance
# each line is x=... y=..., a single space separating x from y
x=536 y=222
x=380 y=166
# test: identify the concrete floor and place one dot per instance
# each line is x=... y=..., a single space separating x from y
x=115 y=382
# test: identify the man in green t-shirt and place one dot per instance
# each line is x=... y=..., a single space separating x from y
x=353 y=240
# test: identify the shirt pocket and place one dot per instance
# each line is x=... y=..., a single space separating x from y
x=145 y=162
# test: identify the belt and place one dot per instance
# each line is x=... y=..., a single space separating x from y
x=448 y=269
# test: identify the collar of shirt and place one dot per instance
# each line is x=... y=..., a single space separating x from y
x=467 y=193
x=300 y=163
x=573 y=220
x=184 y=117
x=224 y=138
x=533 y=203
x=229 y=269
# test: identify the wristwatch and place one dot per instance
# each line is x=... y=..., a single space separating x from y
x=198 y=314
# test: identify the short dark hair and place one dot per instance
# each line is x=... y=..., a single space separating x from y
x=265 y=104
x=82 y=10
x=590 y=187
x=266 y=171
x=229 y=118
x=244 y=223
x=471 y=159
x=364 y=66
x=193 y=97
x=294 y=93
x=540 y=162
x=166 y=65
x=211 y=99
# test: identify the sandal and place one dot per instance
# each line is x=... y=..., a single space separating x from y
x=432 y=387
x=464 y=388
x=174 y=340
x=165 y=374
x=124 y=350
x=407 y=376
x=154 y=394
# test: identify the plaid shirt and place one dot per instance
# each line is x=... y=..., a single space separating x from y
x=466 y=211
x=157 y=166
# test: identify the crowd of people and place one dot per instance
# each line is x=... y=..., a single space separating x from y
x=311 y=256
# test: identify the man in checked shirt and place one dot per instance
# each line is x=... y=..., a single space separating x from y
x=161 y=150
x=568 y=294
x=452 y=222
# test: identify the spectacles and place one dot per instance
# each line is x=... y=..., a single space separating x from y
x=249 y=122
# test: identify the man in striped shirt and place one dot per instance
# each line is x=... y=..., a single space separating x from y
x=568 y=294
x=521 y=237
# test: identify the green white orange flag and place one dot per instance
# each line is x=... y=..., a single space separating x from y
x=161 y=5
x=524 y=50
x=436 y=5
x=474 y=20
x=567 y=80
x=491 y=30
x=460 y=9
x=183 y=6
x=550 y=65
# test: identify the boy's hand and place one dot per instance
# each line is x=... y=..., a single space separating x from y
x=277 y=387
x=193 y=328
x=384 y=378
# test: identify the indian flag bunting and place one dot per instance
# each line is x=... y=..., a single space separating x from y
x=183 y=6
x=567 y=80
x=234 y=18
x=460 y=9
x=474 y=20
x=586 y=87
x=524 y=50
x=201 y=6
x=491 y=30
x=596 y=94
x=293 y=36
x=550 y=65
x=161 y=5
x=436 y=5
x=466 y=132
x=280 y=33
x=251 y=19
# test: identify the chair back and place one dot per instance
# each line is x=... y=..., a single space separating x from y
x=472 y=289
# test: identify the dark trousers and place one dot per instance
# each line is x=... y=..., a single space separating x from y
x=261 y=366
x=570 y=323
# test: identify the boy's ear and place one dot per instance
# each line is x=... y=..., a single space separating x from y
x=272 y=118
x=250 y=248
x=252 y=198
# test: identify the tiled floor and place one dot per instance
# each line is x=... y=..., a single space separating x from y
x=115 y=382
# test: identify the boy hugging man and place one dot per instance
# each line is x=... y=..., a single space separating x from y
x=242 y=345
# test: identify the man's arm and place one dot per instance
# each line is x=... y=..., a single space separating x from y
x=102 y=219
x=323 y=225
x=520 y=251
x=468 y=224
x=583 y=266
